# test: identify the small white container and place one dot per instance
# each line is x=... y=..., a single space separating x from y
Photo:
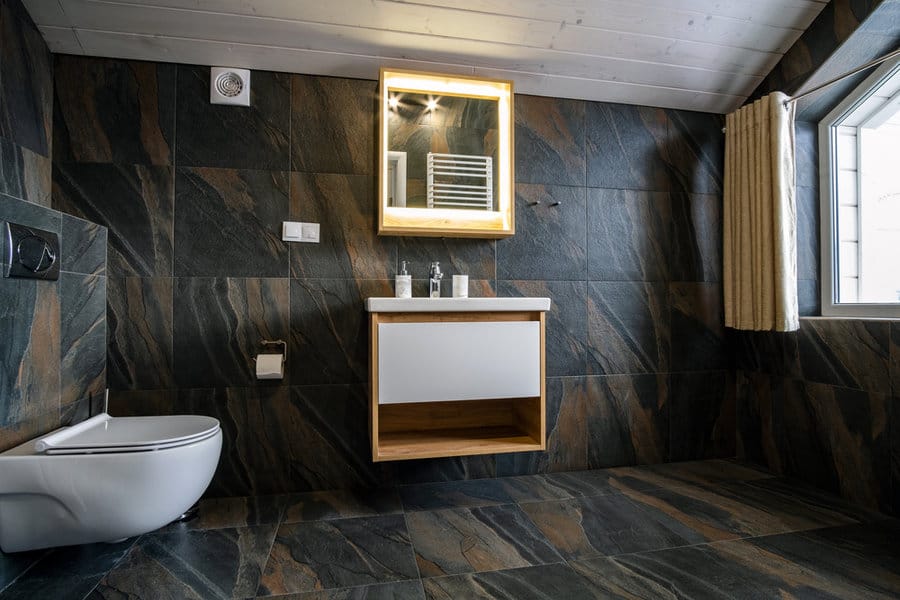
x=403 y=283
x=460 y=286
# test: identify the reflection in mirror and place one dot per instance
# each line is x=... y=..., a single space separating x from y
x=450 y=148
x=396 y=178
x=445 y=155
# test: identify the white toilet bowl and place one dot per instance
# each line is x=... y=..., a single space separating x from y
x=105 y=479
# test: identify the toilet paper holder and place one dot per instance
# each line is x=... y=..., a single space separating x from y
x=281 y=343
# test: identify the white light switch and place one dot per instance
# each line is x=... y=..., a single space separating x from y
x=293 y=231
x=309 y=232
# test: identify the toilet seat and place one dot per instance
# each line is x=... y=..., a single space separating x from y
x=105 y=434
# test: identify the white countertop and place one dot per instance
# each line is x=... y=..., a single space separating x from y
x=456 y=304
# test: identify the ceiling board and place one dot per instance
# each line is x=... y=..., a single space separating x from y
x=775 y=13
x=536 y=19
x=518 y=35
x=693 y=54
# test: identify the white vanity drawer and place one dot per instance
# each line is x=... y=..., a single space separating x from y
x=433 y=362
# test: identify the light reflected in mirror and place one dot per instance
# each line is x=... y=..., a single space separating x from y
x=446 y=156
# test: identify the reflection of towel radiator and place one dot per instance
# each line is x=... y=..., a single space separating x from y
x=445 y=171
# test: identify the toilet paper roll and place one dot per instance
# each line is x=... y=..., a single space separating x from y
x=270 y=366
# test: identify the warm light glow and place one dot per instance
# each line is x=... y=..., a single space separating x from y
x=393 y=102
x=446 y=84
x=421 y=221
x=445 y=214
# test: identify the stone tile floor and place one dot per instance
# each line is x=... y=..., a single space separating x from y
x=707 y=529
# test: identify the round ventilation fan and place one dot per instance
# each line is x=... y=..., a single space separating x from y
x=229 y=84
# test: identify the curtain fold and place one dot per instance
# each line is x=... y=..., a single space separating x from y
x=760 y=217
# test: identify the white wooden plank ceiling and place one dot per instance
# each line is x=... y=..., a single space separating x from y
x=705 y=55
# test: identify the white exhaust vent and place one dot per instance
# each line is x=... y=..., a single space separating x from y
x=229 y=86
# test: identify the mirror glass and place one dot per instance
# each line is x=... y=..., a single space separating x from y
x=446 y=156
x=445 y=144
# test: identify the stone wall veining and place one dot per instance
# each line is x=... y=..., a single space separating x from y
x=821 y=404
x=821 y=45
x=194 y=196
x=52 y=333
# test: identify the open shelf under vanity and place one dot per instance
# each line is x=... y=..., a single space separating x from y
x=434 y=429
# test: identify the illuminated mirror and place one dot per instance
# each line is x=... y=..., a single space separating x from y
x=445 y=154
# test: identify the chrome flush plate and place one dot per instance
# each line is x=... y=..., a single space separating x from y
x=31 y=253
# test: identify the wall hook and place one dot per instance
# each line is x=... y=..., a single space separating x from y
x=557 y=203
x=533 y=203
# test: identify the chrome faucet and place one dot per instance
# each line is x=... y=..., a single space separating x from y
x=434 y=280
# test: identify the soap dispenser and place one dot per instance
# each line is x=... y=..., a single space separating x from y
x=403 y=284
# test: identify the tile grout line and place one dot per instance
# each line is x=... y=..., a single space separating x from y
x=291 y=251
x=612 y=491
x=27 y=569
x=173 y=169
x=711 y=487
x=114 y=565
x=476 y=573
x=739 y=538
x=346 y=588
x=714 y=542
x=519 y=509
x=412 y=546
x=281 y=515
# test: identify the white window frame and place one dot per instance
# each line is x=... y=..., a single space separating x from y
x=828 y=185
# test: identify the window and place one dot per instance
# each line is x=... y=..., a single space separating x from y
x=860 y=185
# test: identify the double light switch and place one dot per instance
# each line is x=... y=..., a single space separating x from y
x=293 y=231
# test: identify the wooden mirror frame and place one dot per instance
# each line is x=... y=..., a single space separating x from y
x=449 y=222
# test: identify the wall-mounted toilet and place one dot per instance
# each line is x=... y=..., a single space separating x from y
x=105 y=479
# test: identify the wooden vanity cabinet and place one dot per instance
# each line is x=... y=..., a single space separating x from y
x=456 y=383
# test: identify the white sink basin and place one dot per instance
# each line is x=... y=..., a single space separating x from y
x=456 y=304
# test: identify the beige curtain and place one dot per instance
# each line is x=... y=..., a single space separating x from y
x=760 y=217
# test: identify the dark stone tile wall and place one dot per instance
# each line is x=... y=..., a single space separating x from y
x=27 y=83
x=26 y=106
x=224 y=223
x=255 y=137
x=134 y=201
x=139 y=318
x=53 y=349
x=808 y=217
x=808 y=60
x=141 y=131
x=619 y=222
x=819 y=403
x=217 y=324
x=876 y=35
